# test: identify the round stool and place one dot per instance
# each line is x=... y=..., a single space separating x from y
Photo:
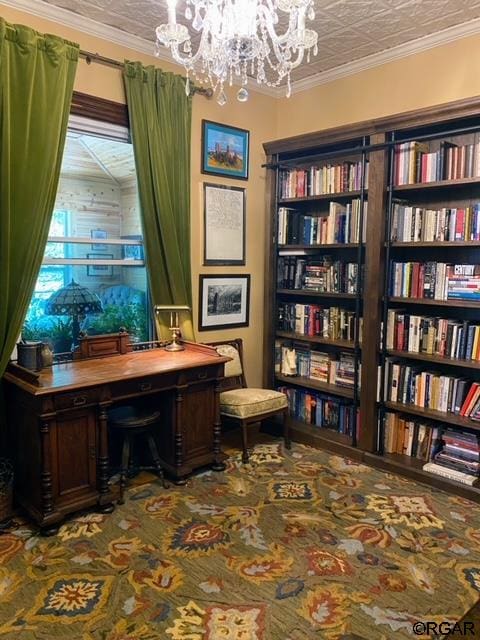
x=135 y=422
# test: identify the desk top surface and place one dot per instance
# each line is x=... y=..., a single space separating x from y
x=81 y=374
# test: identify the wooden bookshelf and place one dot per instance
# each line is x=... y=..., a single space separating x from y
x=431 y=414
x=425 y=357
x=376 y=255
x=342 y=344
x=316 y=385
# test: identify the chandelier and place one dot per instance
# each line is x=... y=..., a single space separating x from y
x=240 y=39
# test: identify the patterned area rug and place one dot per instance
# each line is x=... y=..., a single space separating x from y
x=294 y=547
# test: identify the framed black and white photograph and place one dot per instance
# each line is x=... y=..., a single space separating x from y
x=103 y=270
x=98 y=234
x=224 y=225
x=132 y=251
x=224 y=301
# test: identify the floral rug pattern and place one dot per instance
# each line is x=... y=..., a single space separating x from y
x=293 y=546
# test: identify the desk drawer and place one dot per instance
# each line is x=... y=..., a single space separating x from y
x=198 y=375
x=76 y=399
x=142 y=386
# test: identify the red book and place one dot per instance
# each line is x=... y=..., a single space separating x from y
x=465 y=408
x=415 y=279
x=460 y=224
x=421 y=280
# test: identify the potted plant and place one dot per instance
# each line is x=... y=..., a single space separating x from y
x=60 y=333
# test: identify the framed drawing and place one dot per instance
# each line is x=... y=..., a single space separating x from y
x=103 y=270
x=224 y=301
x=224 y=224
x=98 y=234
x=224 y=150
x=132 y=251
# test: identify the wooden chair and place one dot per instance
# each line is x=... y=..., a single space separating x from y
x=243 y=404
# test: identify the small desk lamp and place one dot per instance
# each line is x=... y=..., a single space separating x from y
x=173 y=309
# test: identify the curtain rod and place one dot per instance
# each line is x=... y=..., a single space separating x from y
x=110 y=62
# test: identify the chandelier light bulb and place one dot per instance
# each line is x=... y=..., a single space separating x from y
x=262 y=40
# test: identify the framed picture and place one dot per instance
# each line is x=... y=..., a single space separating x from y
x=132 y=251
x=224 y=224
x=224 y=301
x=224 y=150
x=103 y=270
x=98 y=234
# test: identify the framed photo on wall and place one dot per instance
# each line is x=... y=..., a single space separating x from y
x=104 y=270
x=224 y=224
x=224 y=150
x=99 y=234
x=224 y=301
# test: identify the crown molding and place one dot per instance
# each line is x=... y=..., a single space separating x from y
x=431 y=41
x=140 y=45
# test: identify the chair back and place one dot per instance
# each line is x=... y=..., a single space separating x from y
x=234 y=373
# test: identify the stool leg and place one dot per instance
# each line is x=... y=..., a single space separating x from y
x=244 y=443
x=286 y=430
x=124 y=469
x=156 y=459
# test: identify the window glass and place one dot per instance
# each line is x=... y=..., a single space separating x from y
x=95 y=240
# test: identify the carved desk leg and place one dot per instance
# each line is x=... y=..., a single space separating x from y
x=179 y=480
x=104 y=498
x=217 y=465
x=48 y=511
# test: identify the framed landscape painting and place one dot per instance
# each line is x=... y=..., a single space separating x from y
x=224 y=301
x=224 y=150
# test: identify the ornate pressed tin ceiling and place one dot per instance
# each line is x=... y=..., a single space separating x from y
x=348 y=30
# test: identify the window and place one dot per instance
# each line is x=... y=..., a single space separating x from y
x=95 y=239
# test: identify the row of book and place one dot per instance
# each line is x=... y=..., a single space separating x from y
x=416 y=163
x=333 y=323
x=435 y=280
x=341 y=225
x=320 y=274
x=317 y=181
x=417 y=224
x=338 y=369
x=432 y=335
x=409 y=437
x=431 y=390
x=321 y=410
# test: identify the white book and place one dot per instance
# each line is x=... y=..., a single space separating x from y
x=451 y=474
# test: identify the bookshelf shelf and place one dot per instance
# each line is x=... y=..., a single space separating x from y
x=317 y=247
x=328 y=435
x=430 y=414
x=437 y=245
x=441 y=184
x=412 y=468
x=342 y=344
x=315 y=294
x=342 y=195
x=424 y=357
x=468 y=304
x=316 y=385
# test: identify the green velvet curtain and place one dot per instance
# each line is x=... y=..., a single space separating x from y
x=160 y=122
x=36 y=85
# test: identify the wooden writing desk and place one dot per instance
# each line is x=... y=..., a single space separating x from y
x=58 y=423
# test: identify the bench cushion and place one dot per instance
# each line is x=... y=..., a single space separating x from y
x=247 y=403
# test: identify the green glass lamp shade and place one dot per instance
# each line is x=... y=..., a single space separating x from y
x=73 y=300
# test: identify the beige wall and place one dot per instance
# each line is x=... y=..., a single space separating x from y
x=257 y=115
x=443 y=74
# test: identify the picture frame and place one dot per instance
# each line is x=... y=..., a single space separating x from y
x=103 y=270
x=225 y=150
x=132 y=251
x=98 y=234
x=224 y=301
x=224 y=217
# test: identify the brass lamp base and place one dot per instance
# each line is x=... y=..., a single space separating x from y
x=174 y=345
